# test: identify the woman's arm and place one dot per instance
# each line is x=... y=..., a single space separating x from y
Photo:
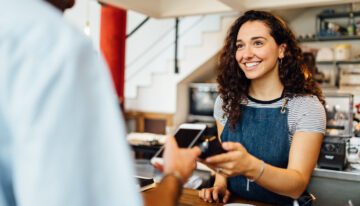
x=291 y=181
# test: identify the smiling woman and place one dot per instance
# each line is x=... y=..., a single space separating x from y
x=262 y=30
x=269 y=114
x=257 y=52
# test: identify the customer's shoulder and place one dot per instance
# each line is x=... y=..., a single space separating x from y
x=22 y=13
x=34 y=20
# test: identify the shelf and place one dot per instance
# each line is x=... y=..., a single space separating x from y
x=337 y=15
x=330 y=38
x=339 y=62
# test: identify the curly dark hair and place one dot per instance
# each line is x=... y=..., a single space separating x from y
x=293 y=72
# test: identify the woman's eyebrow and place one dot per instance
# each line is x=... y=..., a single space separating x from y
x=258 y=37
x=252 y=38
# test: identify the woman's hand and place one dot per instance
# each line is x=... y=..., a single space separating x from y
x=237 y=161
x=215 y=194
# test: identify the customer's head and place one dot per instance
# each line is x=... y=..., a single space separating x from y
x=62 y=4
x=278 y=54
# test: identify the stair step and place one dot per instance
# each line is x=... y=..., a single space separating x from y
x=161 y=79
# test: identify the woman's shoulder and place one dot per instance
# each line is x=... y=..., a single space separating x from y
x=307 y=113
x=305 y=99
x=306 y=104
x=218 y=111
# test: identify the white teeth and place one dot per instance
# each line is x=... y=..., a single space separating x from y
x=251 y=64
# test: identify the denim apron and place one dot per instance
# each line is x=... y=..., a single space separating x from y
x=264 y=133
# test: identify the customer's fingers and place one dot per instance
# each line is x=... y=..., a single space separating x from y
x=170 y=143
x=159 y=166
x=195 y=151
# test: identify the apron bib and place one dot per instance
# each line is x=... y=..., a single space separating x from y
x=264 y=133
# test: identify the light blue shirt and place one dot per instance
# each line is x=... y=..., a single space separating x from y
x=62 y=137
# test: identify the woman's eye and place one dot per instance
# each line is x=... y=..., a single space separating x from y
x=239 y=46
x=258 y=43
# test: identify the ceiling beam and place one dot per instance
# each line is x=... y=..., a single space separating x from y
x=176 y=8
x=147 y=7
x=171 y=8
x=244 y=5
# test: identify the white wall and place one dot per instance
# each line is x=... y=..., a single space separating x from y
x=200 y=38
x=86 y=11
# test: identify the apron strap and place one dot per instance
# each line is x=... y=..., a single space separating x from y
x=284 y=106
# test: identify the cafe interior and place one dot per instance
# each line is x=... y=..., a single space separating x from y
x=163 y=58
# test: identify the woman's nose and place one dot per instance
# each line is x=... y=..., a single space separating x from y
x=247 y=53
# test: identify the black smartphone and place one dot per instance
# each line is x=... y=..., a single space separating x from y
x=210 y=146
x=186 y=136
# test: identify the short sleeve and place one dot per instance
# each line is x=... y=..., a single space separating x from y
x=219 y=112
x=312 y=115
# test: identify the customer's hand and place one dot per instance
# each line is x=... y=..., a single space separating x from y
x=237 y=161
x=182 y=161
x=215 y=194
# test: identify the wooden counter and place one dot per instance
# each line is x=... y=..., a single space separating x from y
x=190 y=197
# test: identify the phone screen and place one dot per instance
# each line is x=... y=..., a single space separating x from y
x=184 y=138
x=210 y=146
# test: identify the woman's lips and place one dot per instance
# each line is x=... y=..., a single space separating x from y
x=251 y=65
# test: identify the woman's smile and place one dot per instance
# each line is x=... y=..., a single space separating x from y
x=249 y=66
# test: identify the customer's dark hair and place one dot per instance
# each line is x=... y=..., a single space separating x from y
x=62 y=5
x=293 y=72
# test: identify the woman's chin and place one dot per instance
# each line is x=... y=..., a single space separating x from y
x=251 y=76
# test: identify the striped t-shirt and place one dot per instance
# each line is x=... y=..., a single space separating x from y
x=306 y=113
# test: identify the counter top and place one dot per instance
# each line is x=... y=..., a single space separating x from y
x=340 y=175
x=190 y=197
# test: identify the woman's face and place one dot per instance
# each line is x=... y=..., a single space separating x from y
x=257 y=52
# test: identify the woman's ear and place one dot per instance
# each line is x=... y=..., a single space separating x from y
x=282 y=49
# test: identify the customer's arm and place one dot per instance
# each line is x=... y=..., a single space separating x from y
x=166 y=193
x=178 y=167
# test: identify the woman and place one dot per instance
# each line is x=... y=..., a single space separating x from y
x=270 y=115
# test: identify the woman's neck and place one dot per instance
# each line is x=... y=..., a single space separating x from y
x=266 y=90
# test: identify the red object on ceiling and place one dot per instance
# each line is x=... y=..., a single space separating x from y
x=112 y=44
